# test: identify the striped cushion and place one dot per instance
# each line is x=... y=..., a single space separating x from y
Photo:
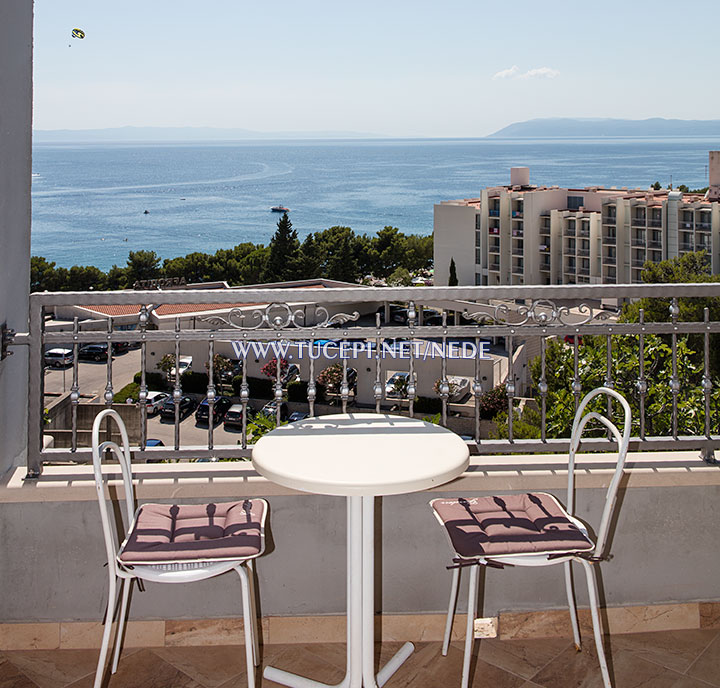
x=166 y=533
x=529 y=523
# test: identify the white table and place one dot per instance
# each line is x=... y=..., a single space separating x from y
x=359 y=456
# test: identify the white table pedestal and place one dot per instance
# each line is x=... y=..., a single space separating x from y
x=360 y=609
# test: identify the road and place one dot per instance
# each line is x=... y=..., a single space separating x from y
x=92 y=376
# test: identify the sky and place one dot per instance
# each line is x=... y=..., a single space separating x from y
x=394 y=68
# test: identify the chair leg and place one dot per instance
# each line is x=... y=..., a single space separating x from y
x=470 y=628
x=451 y=610
x=247 y=625
x=597 y=627
x=571 y=605
x=112 y=590
x=253 y=611
x=126 y=585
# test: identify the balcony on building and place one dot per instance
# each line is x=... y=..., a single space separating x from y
x=493 y=230
x=569 y=228
x=638 y=219
x=518 y=248
x=584 y=228
x=609 y=236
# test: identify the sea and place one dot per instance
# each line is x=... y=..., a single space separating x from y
x=94 y=203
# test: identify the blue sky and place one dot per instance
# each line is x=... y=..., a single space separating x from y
x=445 y=69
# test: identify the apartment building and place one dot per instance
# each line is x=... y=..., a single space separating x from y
x=525 y=234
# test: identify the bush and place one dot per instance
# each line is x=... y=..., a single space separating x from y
x=259 y=388
x=428 y=405
x=129 y=391
x=157 y=382
x=297 y=391
x=493 y=402
x=194 y=383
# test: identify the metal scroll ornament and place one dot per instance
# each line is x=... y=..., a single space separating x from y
x=540 y=312
x=278 y=316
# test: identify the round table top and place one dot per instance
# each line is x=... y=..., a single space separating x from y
x=360 y=454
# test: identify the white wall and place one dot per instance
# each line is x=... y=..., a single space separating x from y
x=16 y=21
x=454 y=237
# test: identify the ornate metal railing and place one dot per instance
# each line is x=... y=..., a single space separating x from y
x=525 y=318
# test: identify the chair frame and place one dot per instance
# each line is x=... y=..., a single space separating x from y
x=586 y=559
x=179 y=571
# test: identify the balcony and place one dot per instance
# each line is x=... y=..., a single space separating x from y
x=569 y=232
x=668 y=473
x=517 y=214
x=687 y=246
x=609 y=239
x=609 y=220
x=584 y=270
x=638 y=221
x=638 y=262
x=703 y=226
x=583 y=252
x=518 y=232
x=494 y=231
x=584 y=232
x=494 y=212
x=494 y=265
x=638 y=241
x=654 y=243
x=655 y=222
x=494 y=248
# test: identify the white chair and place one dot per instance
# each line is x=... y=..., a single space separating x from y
x=170 y=543
x=533 y=530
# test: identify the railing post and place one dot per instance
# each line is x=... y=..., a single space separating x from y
x=36 y=392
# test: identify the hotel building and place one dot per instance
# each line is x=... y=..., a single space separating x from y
x=524 y=234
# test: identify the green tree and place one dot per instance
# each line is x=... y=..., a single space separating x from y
x=43 y=275
x=142 y=265
x=400 y=277
x=253 y=266
x=657 y=186
x=282 y=263
x=116 y=278
x=86 y=278
x=452 y=276
x=309 y=261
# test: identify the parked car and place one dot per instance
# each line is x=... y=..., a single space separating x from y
x=59 y=358
x=184 y=363
x=93 y=352
x=234 y=416
x=155 y=443
x=297 y=415
x=270 y=409
x=396 y=387
x=154 y=402
x=120 y=347
x=187 y=404
x=459 y=388
x=292 y=373
x=220 y=408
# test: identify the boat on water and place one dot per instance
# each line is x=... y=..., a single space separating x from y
x=280 y=209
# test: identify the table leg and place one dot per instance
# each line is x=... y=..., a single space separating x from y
x=368 y=607
x=360 y=609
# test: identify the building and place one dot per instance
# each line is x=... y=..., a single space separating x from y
x=525 y=234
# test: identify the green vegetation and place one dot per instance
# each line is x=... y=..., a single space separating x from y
x=335 y=253
x=452 y=275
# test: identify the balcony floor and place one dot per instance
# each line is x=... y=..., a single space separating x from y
x=671 y=659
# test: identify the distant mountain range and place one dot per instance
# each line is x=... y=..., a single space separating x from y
x=568 y=127
x=124 y=134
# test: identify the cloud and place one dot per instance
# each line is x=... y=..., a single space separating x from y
x=507 y=73
x=537 y=73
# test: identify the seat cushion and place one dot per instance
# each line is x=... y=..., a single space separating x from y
x=168 y=533
x=509 y=524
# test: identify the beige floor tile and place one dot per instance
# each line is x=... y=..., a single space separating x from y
x=210 y=666
x=581 y=670
x=208 y=632
x=707 y=666
x=522 y=657
x=54 y=668
x=11 y=677
x=142 y=669
x=29 y=636
x=688 y=682
x=670 y=649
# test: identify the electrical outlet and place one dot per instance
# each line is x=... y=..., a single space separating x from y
x=486 y=627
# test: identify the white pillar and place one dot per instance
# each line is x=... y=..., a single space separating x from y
x=16 y=35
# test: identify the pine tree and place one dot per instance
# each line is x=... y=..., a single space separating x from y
x=284 y=253
x=309 y=261
x=452 y=277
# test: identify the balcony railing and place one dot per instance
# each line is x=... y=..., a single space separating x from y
x=609 y=220
x=654 y=243
x=584 y=232
x=494 y=230
x=494 y=212
x=609 y=239
x=583 y=252
x=638 y=262
x=653 y=222
x=638 y=241
x=281 y=317
x=703 y=226
x=687 y=246
x=569 y=232
x=638 y=222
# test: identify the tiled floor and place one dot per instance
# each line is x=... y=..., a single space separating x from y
x=677 y=659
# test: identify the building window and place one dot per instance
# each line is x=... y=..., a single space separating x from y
x=478 y=256
x=479 y=280
x=575 y=202
x=477 y=221
x=478 y=239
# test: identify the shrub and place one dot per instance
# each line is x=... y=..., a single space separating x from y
x=157 y=382
x=297 y=391
x=129 y=391
x=428 y=405
x=194 y=383
x=493 y=402
x=270 y=368
x=331 y=377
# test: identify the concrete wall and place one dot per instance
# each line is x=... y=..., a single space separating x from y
x=16 y=20
x=454 y=238
x=663 y=552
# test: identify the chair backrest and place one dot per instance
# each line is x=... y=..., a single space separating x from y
x=110 y=525
x=623 y=440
